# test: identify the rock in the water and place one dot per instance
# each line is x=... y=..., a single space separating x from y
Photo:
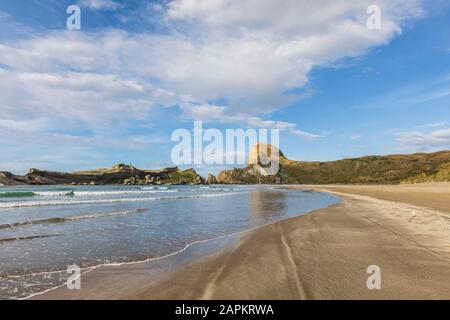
x=211 y=179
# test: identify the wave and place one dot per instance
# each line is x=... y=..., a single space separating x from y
x=97 y=201
x=72 y=218
x=154 y=187
x=107 y=193
x=72 y=193
x=29 y=194
x=17 y=194
x=69 y=193
x=27 y=238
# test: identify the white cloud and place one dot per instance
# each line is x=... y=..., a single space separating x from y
x=434 y=124
x=306 y=135
x=240 y=52
x=292 y=17
x=24 y=125
x=100 y=4
x=425 y=141
x=77 y=96
x=213 y=113
x=355 y=137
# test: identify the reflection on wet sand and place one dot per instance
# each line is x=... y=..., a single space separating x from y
x=267 y=202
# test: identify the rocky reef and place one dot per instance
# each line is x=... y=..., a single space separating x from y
x=118 y=174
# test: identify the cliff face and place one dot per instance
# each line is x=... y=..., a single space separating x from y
x=8 y=179
x=391 y=169
x=119 y=174
x=259 y=160
x=251 y=175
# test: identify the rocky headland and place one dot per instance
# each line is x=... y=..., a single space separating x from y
x=390 y=169
x=118 y=174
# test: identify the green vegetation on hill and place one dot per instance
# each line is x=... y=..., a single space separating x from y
x=391 y=169
x=372 y=169
x=442 y=175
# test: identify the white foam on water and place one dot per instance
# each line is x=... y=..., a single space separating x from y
x=67 y=193
x=53 y=193
x=71 y=218
x=107 y=193
x=184 y=248
x=20 y=204
x=104 y=214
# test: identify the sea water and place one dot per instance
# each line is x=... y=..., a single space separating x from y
x=43 y=230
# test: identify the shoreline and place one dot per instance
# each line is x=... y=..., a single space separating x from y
x=433 y=195
x=194 y=244
x=320 y=255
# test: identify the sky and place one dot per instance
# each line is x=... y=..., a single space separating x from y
x=115 y=90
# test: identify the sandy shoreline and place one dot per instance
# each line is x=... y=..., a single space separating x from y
x=321 y=255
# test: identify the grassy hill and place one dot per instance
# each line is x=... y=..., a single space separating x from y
x=390 y=169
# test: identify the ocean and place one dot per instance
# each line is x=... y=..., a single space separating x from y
x=44 y=230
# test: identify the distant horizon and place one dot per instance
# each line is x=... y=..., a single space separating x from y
x=116 y=86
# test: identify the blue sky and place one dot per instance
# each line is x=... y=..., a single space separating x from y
x=115 y=90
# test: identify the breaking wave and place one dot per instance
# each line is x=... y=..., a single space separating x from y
x=19 y=204
x=27 y=238
x=28 y=194
x=71 y=218
x=71 y=193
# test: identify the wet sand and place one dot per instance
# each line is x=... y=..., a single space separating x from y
x=322 y=255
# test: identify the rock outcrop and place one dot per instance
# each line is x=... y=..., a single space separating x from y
x=260 y=169
x=263 y=153
x=8 y=179
x=391 y=169
x=118 y=174
x=211 y=179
